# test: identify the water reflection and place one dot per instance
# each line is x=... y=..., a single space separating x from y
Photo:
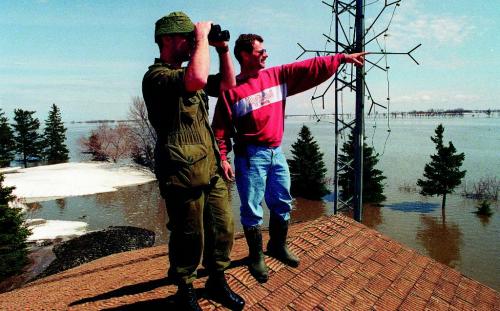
x=441 y=240
x=33 y=206
x=304 y=209
x=484 y=219
x=140 y=206
x=372 y=215
x=61 y=203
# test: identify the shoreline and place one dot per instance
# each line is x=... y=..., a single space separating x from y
x=50 y=182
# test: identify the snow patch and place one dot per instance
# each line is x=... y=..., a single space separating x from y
x=51 y=229
x=6 y=170
x=49 y=182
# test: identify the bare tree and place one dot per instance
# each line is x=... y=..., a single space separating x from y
x=487 y=188
x=92 y=145
x=104 y=142
x=135 y=139
x=142 y=134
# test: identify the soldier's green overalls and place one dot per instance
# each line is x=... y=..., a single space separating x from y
x=187 y=165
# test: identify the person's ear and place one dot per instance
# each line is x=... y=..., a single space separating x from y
x=244 y=55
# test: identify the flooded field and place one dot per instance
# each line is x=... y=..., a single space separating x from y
x=456 y=236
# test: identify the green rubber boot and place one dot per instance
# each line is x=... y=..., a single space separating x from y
x=256 y=264
x=277 y=248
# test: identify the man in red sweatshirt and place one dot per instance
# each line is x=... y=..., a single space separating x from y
x=252 y=113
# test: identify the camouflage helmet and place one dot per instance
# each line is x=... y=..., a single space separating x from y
x=175 y=22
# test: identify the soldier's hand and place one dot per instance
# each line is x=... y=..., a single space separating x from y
x=201 y=30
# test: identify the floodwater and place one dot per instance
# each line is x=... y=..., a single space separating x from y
x=456 y=237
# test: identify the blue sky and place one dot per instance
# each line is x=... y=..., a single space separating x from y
x=89 y=57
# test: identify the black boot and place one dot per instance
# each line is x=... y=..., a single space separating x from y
x=277 y=248
x=186 y=298
x=256 y=264
x=218 y=290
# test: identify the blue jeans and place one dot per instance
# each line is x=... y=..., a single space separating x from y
x=262 y=173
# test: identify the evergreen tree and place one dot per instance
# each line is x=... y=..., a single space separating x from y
x=307 y=168
x=54 y=137
x=373 y=187
x=442 y=174
x=28 y=141
x=13 y=234
x=6 y=141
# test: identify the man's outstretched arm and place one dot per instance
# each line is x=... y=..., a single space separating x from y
x=357 y=59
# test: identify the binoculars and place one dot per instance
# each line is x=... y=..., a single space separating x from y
x=216 y=34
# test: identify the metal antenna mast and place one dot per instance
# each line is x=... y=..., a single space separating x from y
x=359 y=128
x=345 y=42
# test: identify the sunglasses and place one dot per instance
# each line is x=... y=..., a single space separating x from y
x=261 y=52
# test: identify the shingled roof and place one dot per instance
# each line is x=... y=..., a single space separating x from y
x=344 y=266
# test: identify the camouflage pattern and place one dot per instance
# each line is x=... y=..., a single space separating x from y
x=187 y=164
x=189 y=211
x=175 y=22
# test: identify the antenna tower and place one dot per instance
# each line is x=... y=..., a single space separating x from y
x=347 y=41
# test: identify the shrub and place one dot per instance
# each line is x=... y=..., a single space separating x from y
x=484 y=208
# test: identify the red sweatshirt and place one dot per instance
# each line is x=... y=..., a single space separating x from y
x=254 y=111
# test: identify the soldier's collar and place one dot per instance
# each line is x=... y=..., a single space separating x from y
x=159 y=61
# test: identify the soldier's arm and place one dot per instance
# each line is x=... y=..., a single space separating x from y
x=197 y=70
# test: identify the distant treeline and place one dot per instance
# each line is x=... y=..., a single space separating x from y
x=101 y=121
x=457 y=112
x=449 y=112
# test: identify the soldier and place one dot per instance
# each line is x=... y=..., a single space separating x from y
x=187 y=158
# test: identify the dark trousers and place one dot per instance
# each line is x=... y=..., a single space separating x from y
x=200 y=224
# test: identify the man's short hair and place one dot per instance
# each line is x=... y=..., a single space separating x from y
x=245 y=43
